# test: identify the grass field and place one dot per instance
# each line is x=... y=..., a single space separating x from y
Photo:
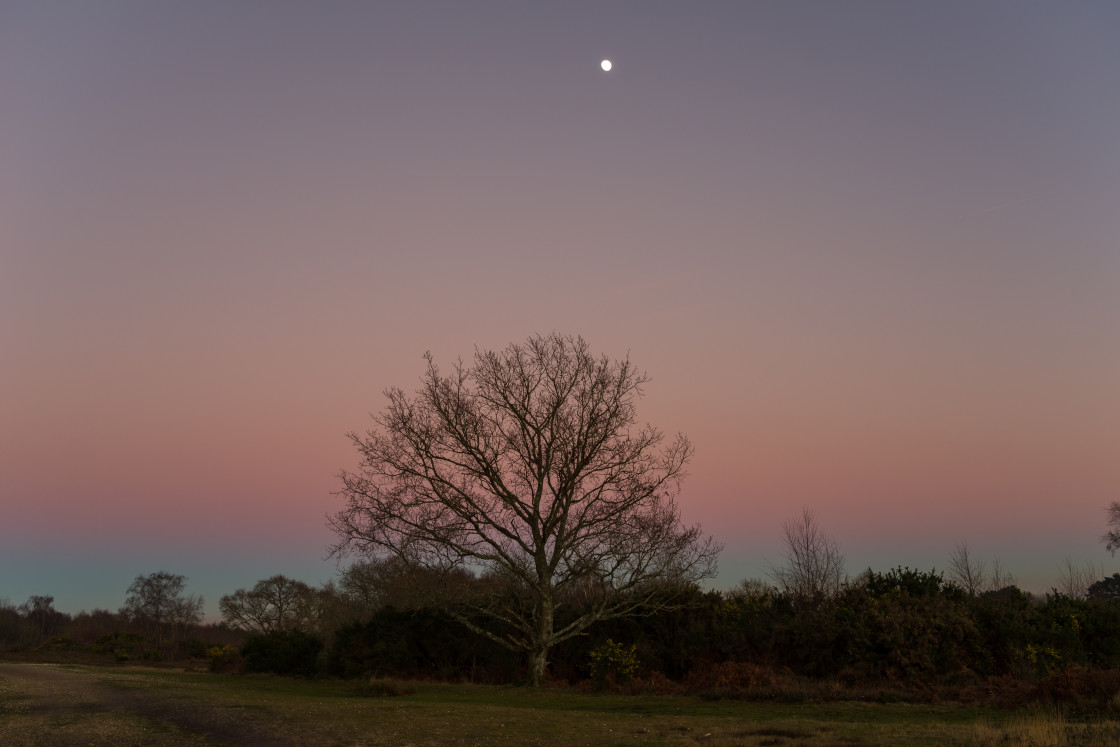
x=64 y=704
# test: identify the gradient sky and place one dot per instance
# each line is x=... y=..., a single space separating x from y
x=869 y=253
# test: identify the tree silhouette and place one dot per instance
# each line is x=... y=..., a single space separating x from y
x=528 y=467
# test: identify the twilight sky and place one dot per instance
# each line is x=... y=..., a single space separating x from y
x=869 y=253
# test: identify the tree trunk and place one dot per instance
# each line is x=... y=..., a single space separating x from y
x=538 y=660
x=538 y=656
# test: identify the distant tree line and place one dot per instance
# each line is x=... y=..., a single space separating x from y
x=158 y=621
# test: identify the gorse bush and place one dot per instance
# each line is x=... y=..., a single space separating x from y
x=900 y=629
x=223 y=659
x=613 y=660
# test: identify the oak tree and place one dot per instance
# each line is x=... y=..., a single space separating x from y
x=529 y=468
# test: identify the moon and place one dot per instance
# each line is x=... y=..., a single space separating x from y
x=606 y=65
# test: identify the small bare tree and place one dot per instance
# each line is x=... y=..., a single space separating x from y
x=968 y=570
x=528 y=467
x=814 y=568
x=1074 y=580
x=972 y=574
x=1000 y=577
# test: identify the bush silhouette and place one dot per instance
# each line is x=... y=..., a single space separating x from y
x=282 y=652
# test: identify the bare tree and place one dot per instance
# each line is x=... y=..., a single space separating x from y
x=1074 y=580
x=750 y=590
x=11 y=623
x=276 y=603
x=364 y=582
x=1111 y=538
x=158 y=603
x=972 y=574
x=968 y=570
x=527 y=466
x=814 y=568
x=1000 y=577
x=752 y=587
x=378 y=582
x=41 y=620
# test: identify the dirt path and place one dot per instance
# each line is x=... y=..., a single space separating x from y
x=43 y=704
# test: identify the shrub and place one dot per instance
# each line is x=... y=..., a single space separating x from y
x=418 y=643
x=1098 y=633
x=191 y=648
x=911 y=582
x=669 y=640
x=224 y=659
x=282 y=652
x=613 y=660
x=1005 y=622
x=130 y=643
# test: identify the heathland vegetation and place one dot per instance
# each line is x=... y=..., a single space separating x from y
x=899 y=635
